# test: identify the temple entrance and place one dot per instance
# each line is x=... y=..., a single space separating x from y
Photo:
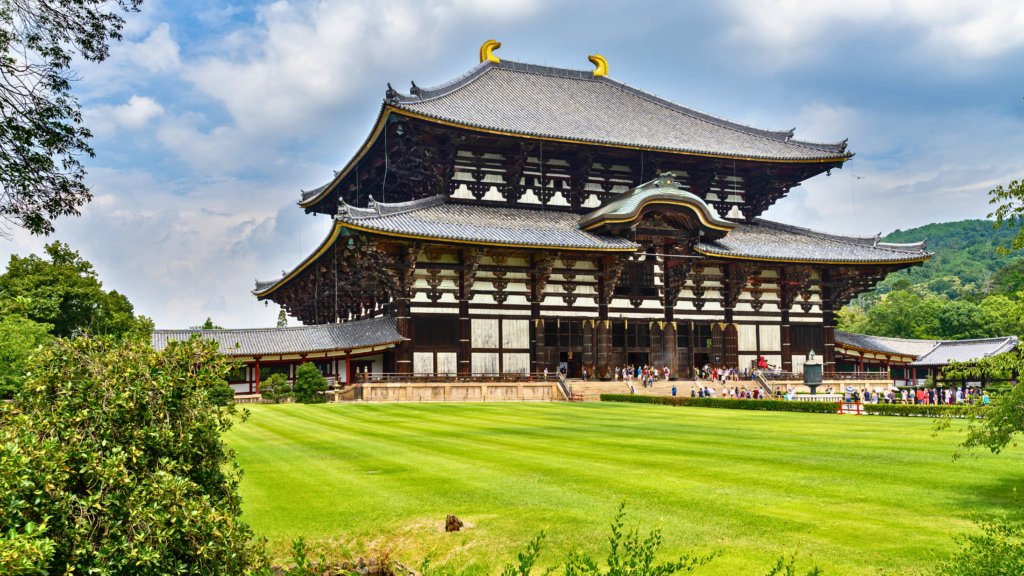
x=637 y=358
x=571 y=363
x=701 y=359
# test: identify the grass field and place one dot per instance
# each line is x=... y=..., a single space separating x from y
x=854 y=495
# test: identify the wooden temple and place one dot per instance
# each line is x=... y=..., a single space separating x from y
x=524 y=217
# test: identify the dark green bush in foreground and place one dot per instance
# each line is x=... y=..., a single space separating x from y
x=734 y=404
x=276 y=389
x=111 y=462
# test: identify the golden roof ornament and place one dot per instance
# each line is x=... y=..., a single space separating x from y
x=600 y=63
x=487 y=51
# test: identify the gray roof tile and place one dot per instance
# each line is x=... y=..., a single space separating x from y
x=900 y=346
x=433 y=218
x=966 y=350
x=574 y=105
x=292 y=340
x=766 y=240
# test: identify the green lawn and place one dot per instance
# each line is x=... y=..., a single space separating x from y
x=854 y=495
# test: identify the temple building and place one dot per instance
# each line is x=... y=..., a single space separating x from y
x=522 y=217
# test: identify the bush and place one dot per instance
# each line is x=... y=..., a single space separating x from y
x=310 y=384
x=111 y=462
x=932 y=410
x=997 y=551
x=735 y=404
x=276 y=389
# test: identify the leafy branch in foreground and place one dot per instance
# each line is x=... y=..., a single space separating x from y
x=1009 y=211
x=997 y=551
x=41 y=131
x=994 y=426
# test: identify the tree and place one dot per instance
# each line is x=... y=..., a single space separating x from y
x=997 y=551
x=282 y=319
x=310 y=384
x=276 y=388
x=1009 y=212
x=64 y=291
x=208 y=325
x=20 y=338
x=41 y=131
x=112 y=462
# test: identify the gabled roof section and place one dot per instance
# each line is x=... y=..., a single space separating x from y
x=574 y=105
x=357 y=334
x=884 y=344
x=663 y=191
x=433 y=219
x=966 y=350
x=768 y=241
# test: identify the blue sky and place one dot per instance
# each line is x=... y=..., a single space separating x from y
x=211 y=116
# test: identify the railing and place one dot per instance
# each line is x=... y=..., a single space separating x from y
x=858 y=376
x=564 y=386
x=424 y=377
x=779 y=375
x=762 y=382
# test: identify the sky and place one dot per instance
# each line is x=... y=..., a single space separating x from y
x=210 y=117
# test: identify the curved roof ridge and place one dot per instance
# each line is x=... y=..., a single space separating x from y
x=872 y=241
x=201 y=331
x=374 y=208
x=888 y=338
x=419 y=95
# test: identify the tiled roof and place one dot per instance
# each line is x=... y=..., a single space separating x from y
x=766 y=240
x=432 y=218
x=966 y=350
x=573 y=105
x=266 y=341
x=664 y=190
x=900 y=346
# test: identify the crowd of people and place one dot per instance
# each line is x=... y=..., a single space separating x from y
x=948 y=396
x=645 y=375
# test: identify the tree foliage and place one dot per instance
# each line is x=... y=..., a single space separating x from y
x=63 y=290
x=997 y=425
x=997 y=551
x=207 y=325
x=41 y=134
x=111 y=462
x=282 y=319
x=20 y=338
x=276 y=389
x=1009 y=212
x=310 y=384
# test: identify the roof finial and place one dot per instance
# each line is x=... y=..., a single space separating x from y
x=601 y=63
x=487 y=51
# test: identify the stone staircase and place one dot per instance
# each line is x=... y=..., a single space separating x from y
x=591 y=391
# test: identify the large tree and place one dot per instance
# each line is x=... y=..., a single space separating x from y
x=63 y=290
x=42 y=139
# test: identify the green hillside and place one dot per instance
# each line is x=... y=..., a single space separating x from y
x=965 y=257
x=967 y=290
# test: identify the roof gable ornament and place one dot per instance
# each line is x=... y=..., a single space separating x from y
x=601 y=65
x=487 y=51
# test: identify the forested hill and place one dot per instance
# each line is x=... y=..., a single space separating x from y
x=967 y=290
x=965 y=263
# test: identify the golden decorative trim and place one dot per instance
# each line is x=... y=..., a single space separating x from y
x=324 y=247
x=601 y=65
x=487 y=51
x=799 y=261
x=479 y=242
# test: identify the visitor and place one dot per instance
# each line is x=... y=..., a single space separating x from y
x=984 y=398
x=693 y=392
x=584 y=374
x=673 y=390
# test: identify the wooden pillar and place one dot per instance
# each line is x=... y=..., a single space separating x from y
x=348 y=367
x=657 y=336
x=257 y=375
x=465 y=338
x=828 y=356
x=604 y=348
x=670 y=344
x=786 y=338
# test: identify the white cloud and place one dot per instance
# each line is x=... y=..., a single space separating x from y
x=157 y=52
x=785 y=33
x=134 y=114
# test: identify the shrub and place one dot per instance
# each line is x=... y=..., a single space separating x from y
x=276 y=389
x=111 y=462
x=997 y=551
x=932 y=410
x=310 y=384
x=732 y=403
